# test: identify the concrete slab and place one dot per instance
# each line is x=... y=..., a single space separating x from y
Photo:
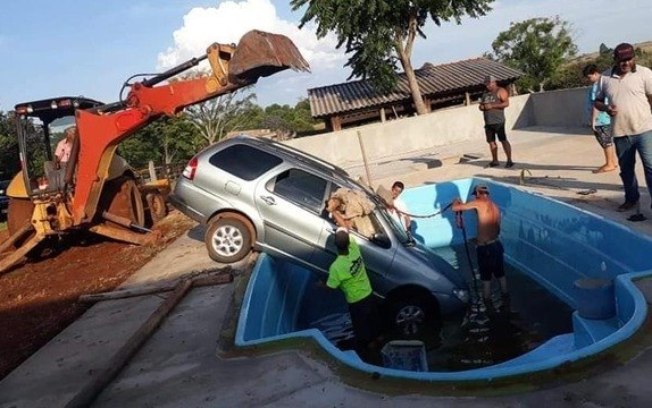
x=55 y=374
x=179 y=367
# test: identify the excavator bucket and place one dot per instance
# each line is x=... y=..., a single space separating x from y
x=260 y=54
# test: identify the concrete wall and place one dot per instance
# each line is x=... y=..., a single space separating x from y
x=443 y=127
x=565 y=108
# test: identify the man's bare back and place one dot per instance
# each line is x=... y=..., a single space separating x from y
x=488 y=220
x=488 y=216
x=489 y=249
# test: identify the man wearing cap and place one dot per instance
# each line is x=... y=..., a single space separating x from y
x=493 y=104
x=349 y=274
x=489 y=249
x=626 y=95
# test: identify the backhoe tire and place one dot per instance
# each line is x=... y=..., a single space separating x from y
x=157 y=208
x=19 y=213
x=229 y=238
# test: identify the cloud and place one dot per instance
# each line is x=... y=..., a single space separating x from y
x=229 y=20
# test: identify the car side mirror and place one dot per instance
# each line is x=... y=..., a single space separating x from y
x=381 y=240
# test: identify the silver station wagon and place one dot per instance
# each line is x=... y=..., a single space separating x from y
x=255 y=193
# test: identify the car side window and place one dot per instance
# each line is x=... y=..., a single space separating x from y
x=300 y=187
x=245 y=162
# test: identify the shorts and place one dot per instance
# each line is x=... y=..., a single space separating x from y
x=603 y=136
x=366 y=321
x=490 y=260
x=491 y=131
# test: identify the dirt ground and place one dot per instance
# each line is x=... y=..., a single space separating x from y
x=38 y=299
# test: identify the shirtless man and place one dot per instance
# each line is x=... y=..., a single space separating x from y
x=488 y=246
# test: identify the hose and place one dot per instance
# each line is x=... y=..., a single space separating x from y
x=460 y=223
x=426 y=215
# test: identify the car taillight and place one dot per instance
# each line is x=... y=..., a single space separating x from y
x=191 y=168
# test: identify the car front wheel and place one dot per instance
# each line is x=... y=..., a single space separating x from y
x=413 y=315
x=228 y=239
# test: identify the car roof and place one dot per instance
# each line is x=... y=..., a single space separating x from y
x=292 y=154
x=298 y=158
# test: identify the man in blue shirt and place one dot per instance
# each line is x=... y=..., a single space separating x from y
x=600 y=121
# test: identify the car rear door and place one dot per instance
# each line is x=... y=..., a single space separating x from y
x=290 y=203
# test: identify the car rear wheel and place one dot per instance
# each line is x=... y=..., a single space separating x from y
x=228 y=239
x=413 y=315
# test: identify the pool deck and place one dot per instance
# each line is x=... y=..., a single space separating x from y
x=180 y=365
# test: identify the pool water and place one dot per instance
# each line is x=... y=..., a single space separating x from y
x=483 y=338
x=477 y=338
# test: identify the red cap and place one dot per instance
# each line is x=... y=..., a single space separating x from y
x=623 y=52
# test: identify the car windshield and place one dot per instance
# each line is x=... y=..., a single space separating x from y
x=398 y=230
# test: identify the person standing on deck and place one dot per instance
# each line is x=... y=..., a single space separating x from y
x=493 y=104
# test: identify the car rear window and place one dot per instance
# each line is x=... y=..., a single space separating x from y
x=244 y=162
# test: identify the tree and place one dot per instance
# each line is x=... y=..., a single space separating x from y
x=163 y=141
x=570 y=74
x=9 y=163
x=216 y=117
x=538 y=47
x=381 y=33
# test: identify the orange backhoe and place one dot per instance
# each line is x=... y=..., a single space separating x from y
x=97 y=190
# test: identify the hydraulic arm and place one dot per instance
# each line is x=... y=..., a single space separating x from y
x=258 y=54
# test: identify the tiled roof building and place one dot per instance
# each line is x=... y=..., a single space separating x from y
x=356 y=102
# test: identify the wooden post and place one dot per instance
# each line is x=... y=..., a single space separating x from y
x=383 y=118
x=426 y=101
x=115 y=364
x=364 y=160
x=336 y=123
x=152 y=171
x=467 y=98
x=512 y=88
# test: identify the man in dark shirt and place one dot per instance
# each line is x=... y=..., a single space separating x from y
x=493 y=104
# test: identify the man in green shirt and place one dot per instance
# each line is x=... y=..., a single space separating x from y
x=348 y=273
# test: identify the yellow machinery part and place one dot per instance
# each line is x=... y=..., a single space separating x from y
x=17 y=187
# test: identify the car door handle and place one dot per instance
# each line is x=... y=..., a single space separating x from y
x=268 y=200
x=330 y=230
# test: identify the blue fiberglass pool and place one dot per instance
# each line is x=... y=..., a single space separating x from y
x=554 y=243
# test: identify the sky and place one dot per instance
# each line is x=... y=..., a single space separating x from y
x=74 y=47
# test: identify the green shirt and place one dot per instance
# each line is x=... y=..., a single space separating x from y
x=348 y=273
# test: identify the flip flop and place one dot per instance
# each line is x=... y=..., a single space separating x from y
x=603 y=170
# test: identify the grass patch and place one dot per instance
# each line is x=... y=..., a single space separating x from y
x=3 y=225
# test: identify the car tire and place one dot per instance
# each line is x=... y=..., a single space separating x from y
x=228 y=239
x=412 y=315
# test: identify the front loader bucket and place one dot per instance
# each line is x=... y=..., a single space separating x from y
x=260 y=54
